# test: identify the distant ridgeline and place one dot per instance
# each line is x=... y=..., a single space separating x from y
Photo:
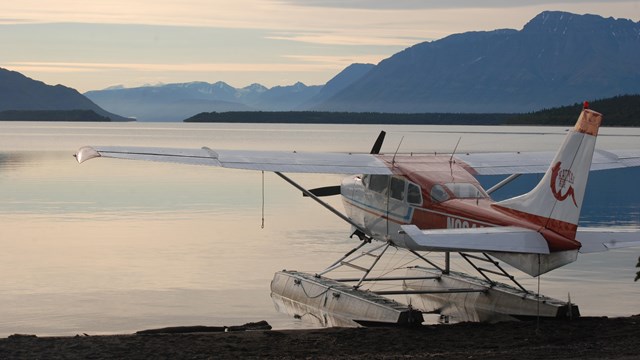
x=322 y=117
x=618 y=111
x=51 y=115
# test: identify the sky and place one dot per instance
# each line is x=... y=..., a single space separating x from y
x=95 y=44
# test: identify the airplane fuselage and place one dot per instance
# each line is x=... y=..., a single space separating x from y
x=431 y=193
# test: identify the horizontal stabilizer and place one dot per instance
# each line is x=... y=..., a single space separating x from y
x=495 y=239
x=536 y=162
x=603 y=239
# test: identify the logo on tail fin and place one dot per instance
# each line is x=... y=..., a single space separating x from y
x=561 y=179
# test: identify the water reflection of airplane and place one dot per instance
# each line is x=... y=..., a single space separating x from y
x=433 y=203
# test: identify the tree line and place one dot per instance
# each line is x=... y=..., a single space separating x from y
x=618 y=111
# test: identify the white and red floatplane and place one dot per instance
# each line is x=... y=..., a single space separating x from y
x=434 y=203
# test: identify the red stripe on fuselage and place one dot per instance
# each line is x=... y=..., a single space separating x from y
x=485 y=213
x=565 y=233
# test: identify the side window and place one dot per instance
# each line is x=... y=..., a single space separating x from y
x=397 y=188
x=378 y=183
x=414 y=195
x=466 y=191
x=439 y=194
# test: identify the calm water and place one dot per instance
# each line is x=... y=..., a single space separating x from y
x=115 y=246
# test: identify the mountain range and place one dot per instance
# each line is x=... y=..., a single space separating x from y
x=179 y=101
x=20 y=93
x=557 y=58
x=173 y=102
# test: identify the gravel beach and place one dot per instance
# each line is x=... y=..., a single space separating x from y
x=583 y=338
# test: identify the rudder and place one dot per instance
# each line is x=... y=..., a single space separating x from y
x=556 y=201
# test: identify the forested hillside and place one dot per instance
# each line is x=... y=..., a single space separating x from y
x=618 y=111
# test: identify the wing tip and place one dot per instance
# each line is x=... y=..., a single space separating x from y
x=86 y=153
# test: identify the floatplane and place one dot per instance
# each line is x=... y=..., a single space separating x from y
x=426 y=204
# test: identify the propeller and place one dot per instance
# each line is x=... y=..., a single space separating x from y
x=335 y=190
x=325 y=191
x=378 y=144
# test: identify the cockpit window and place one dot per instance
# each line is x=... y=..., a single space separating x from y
x=414 y=195
x=439 y=194
x=397 y=188
x=378 y=183
x=466 y=191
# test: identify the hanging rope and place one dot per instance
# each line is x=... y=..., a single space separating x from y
x=538 y=302
x=262 y=226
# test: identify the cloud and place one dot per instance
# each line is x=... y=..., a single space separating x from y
x=344 y=38
x=339 y=26
x=387 y=5
x=13 y=21
x=432 y=4
x=91 y=76
x=337 y=22
x=69 y=67
x=104 y=42
x=339 y=61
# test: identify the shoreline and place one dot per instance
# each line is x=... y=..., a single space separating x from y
x=582 y=338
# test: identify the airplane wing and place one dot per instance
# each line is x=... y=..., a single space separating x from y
x=603 y=239
x=348 y=163
x=507 y=163
x=497 y=239
x=294 y=162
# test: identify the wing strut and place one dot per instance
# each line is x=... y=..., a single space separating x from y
x=502 y=183
x=327 y=206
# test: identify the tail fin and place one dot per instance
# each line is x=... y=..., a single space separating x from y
x=556 y=201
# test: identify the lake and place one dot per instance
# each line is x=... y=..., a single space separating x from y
x=113 y=246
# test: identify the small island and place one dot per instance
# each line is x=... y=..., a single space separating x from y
x=51 y=115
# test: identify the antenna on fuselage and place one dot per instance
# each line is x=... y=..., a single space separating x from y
x=454 y=150
x=396 y=153
x=453 y=153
